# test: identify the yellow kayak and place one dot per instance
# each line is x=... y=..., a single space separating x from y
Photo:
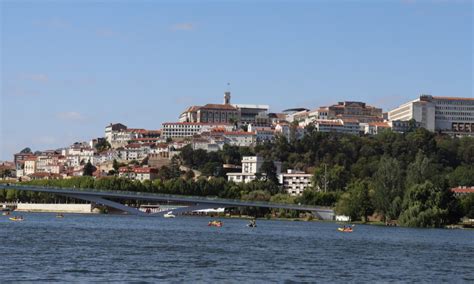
x=16 y=219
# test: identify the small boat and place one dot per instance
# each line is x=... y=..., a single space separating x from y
x=215 y=224
x=345 y=230
x=169 y=214
x=16 y=218
x=59 y=215
x=252 y=225
x=6 y=213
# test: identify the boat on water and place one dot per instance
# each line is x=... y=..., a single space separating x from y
x=215 y=223
x=252 y=224
x=169 y=214
x=6 y=213
x=16 y=218
x=59 y=215
x=345 y=230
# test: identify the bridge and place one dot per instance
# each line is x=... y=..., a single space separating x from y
x=99 y=196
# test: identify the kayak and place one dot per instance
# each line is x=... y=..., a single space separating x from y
x=16 y=219
x=345 y=230
x=215 y=224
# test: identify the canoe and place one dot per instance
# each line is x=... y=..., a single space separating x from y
x=345 y=230
x=16 y=219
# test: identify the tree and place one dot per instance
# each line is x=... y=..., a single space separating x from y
x=89 y=169
x=331 y=178
x=189 y=175
x=102 y=145
x=387 y=183
x=462 y=176
x=27 y=150
x=5 y=173
x=356 y=202
x=467 y=205
x=421 y=170
x=425 y=206
x=269 y=169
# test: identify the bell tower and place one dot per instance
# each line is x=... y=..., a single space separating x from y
x=227 y=98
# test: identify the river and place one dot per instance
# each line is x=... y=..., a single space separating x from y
x=128 y=248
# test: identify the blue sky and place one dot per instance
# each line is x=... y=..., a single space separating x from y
x=68 y=68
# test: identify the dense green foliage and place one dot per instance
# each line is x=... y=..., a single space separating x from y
x=370 y=173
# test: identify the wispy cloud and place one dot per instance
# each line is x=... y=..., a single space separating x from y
x=183 y=27
x=54 y=23
x=107 y=33
x=20 y=92
x=40 y=77
x=70 y=115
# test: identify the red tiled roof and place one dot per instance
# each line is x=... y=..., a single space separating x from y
x=329 y=122
x=219 y=106
x=193 y=123
x=146 y=139
x=453 y=98
x=463 y=189
x=239 y=133
x=379 y=124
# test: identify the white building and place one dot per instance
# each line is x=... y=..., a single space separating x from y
x=189 y=129
x=250 y=168
x=262 y=133
x=240 y=138
x=295 y=182
x=30 y=166
x=337 y=125
x=451 y=115
x=373 y=128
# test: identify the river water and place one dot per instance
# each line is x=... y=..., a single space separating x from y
x=184 y=249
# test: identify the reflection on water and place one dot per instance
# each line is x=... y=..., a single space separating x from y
x=129 y=248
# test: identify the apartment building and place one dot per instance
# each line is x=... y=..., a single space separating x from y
x=450 y=115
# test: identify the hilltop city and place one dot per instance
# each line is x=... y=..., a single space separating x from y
x=139 y=154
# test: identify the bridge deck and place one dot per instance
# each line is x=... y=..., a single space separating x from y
x=217 y=202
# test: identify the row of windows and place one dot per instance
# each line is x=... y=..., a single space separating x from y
x=451 y=102
x=455 y=108
x=450 y=118
x=455 y=113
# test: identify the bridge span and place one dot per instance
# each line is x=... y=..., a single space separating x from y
x=99 y=196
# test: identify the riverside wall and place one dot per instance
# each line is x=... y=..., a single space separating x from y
x=60 y=208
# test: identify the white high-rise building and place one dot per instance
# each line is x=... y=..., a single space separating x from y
x=451 y=115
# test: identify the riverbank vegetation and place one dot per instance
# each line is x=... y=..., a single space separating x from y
x=405 y=177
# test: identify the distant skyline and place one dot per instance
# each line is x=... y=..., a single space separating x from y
x=69 y=68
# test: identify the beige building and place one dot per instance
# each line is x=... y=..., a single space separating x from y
x=295 y=182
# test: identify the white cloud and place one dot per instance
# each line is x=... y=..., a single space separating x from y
x=70 y=115
x=37 y=77
x=183 y=27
